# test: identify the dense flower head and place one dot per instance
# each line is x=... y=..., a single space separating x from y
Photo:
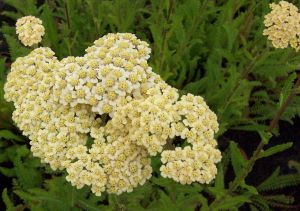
x=33 y=73
x=112 y=164
x=190 y=164
x=283 y=25
x=113 y=71
x=197 y=123
x=63 y=107
x=51 y=127
x=126 y=164
x=148 y=122
x=154 y=121
x=30 y=30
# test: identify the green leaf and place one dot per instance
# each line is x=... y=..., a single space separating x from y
x=51 y=37
x=287 y=87
x=219 y=181
x=173 y=187
x=27 y=7
x=196 y=87
x=190 y=202
x=164 y=203
x=250 y=188
x=8 y=203
x=216 y=191
x=265 y=136
x=237 y=159
x=280 y=199
x=12 y=15
x=275 y=181
x=259 y=202
x=232 y=202
x=276 y=149
x=15 y=48
x=26 y=167
x=8 y=172
x=6 y=134
x=58 y=194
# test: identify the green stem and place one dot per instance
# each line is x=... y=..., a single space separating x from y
x=241 y=177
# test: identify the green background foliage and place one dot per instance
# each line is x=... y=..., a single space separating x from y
x=212 y=48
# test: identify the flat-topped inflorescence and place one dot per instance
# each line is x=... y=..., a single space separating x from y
x=113 y=71
x=63 y=107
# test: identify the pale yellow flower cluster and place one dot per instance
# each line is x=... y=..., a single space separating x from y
x=113 y=71
x=117 y=165
x=148 y=122
x=187 y=165
x=126 y=164
x=51 y=127
x=59 y=106
x=154 y=121
x=59 y=133
x=198 y=123
x=283 y=25
x=30 y=30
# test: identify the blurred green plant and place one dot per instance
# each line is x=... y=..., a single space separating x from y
x=211 y=48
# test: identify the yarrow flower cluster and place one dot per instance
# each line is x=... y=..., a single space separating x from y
x=190 y=164
x=153 y=121
x=113 y=71
x=148 y=122
x=30 y=30
x=197 y=124
x=283 y=25
x=51 y=127
x=62 y=106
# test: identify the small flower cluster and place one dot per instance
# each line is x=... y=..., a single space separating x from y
x=283 y=25
x=113 y=71
x=30 y=30
x=198 y=123
x=187 y=165
x=51 y=127
x=126 y=164
x=59 y=105
x=151 y=122
x=148 y=122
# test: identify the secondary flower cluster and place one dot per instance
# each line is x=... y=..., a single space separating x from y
x=52 y=128
x=187 y=165
x=62 y=106
x=30 y=30
x=283 y=25
x=161 y=117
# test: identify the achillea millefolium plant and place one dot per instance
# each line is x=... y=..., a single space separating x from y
x=122 y=104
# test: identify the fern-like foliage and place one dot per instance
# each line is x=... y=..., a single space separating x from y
x=210 y=48
x=279 y=182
